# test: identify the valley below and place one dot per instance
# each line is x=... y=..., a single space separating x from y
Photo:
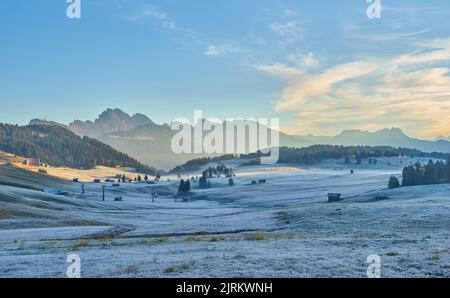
x=281 y=228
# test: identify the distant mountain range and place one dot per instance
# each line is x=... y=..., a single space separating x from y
x=148 y=142
x=386 y=137
x=442 y=138
x=140 y=137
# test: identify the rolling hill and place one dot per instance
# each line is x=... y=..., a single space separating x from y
x=58 y=146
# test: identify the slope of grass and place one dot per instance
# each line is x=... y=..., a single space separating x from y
x=12 y=176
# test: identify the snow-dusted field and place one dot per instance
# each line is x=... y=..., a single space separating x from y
x=283 y=228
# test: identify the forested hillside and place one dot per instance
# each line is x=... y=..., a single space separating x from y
x=314 y=154
x=58 y=146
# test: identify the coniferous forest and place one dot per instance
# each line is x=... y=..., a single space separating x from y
x=317 y=153
x=314 y=154
x=431 y=173
x=58 y=146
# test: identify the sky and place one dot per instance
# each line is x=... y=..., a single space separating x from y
x=319 y=66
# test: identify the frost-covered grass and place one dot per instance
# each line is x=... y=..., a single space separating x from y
x=281 y=228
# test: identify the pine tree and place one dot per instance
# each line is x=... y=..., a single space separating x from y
x=409 y=176
x=419 y=177
x=181 y=187
x=430 y=173
x=203 y=181
x=187 y=186
x=393 y=182
x=210 y=174
x=447 y=170
x=440 y=168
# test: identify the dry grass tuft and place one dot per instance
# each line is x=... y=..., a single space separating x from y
x=80 y=244
x=182 y=267
x=216 y=238
x=161 y=240
x=133 y=269
x=256 y=237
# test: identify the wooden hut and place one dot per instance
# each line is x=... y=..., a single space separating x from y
x=334 y=197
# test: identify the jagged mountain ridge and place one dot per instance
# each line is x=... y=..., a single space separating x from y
x=140 y=137
x=110 y=121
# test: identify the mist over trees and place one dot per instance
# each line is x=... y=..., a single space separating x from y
x=58 y=146
x=196 y=164
x=317 y=153
x=312 y=155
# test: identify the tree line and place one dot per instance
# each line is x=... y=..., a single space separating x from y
x=431 y=173
x=194 y=165
x=317 y=153
x=313 y=154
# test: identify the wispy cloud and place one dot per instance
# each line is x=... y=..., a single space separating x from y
x=221 y=49
x=408 y=9
x=437 y=43
x=280 y=70
x=181 y=34
x=392 y=30
x=212 y=51
x=396 y=36
x=288 y=32
x=151 y=11
x=289 y=13
x=185 y=35
x=410 y=90
x=369 y=91
x=308 y=61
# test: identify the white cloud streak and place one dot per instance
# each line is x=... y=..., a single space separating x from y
x=288 y=32
x=411 y=91
x=221 y=49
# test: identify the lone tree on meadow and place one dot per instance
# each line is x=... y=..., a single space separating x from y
x=393 y=182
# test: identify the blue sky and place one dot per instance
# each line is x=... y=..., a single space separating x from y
x=321 y=66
